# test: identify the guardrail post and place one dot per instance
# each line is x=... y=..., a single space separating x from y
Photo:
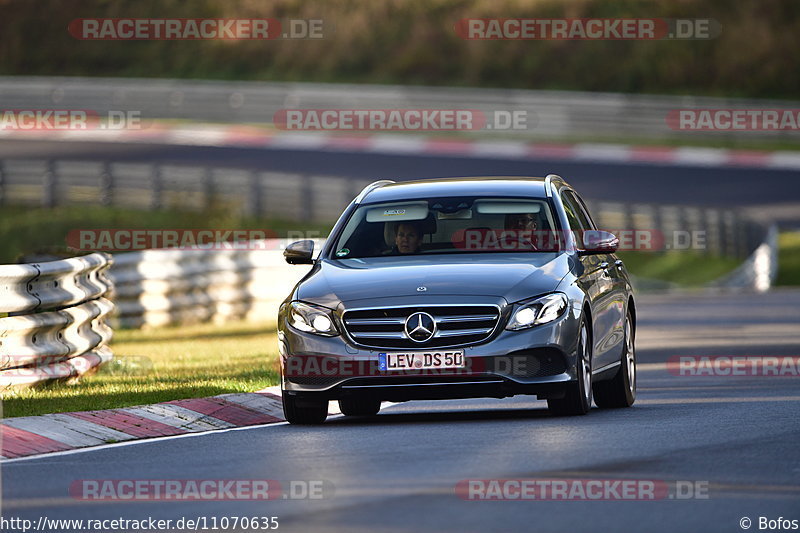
x=684 y=226
x=106 y=185
x=49 y=185
x=669 y=217
x=708 y=222
x=627 y=217
x=658 y=225
x=726 y=232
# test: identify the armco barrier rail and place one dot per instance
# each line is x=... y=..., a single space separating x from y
x=53 y=319
x=152 y=186
x=160 y=287
x=303 y=197
x=551 y=115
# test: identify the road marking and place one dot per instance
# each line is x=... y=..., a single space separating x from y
x=177 y=416
x=229 y=412
x=77 y=433
x=128 y=423
x=20 y=442
x=134 y=442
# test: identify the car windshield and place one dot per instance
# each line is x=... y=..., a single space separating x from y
x=448 y=226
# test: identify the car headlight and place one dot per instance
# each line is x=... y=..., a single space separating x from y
x=540 y=311
x=312 y=319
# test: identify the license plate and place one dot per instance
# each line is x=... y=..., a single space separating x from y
x=421 y=360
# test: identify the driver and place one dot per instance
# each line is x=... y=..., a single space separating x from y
x=520 y=229
x=520 y=222
x=407 y=238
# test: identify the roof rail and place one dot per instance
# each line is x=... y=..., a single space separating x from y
x=371 y=187
x=548 y=183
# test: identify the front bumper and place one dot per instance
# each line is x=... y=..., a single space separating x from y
x=537 y=361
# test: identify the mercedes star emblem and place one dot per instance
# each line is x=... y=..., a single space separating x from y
x=420 y=327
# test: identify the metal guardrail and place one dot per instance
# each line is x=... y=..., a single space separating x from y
x=53 y=319
x=302 y=197
x=159 y=287
x=551 y=115
x=283 y=195
x=155 y=288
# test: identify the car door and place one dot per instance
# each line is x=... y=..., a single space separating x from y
x=603 y=285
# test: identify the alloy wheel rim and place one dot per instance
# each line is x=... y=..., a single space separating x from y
x=587 y=371
x=630 y=356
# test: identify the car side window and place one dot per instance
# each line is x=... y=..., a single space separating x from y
x=573 y=211
x=576 y=212
x=584 y=211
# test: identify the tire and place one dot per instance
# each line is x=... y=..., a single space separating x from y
x=577 y=399
x=620 y=391
x=305 y=411
x=359 y=406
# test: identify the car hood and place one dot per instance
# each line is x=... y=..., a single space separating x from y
x=510 y=276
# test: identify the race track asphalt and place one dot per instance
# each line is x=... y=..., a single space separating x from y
x=736 y=436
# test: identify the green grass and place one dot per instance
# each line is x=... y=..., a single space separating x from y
x=788 y=258
x=684 y=269
x=161 y=365
x=25 y=230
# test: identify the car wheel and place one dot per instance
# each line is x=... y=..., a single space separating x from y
x=620 y=391
x=577 y=399
x=359 y=406
x=299 y=410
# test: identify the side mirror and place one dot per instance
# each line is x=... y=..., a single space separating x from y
x=599 y=242
x=300 y=253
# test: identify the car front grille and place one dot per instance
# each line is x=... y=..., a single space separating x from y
x=456 y=325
